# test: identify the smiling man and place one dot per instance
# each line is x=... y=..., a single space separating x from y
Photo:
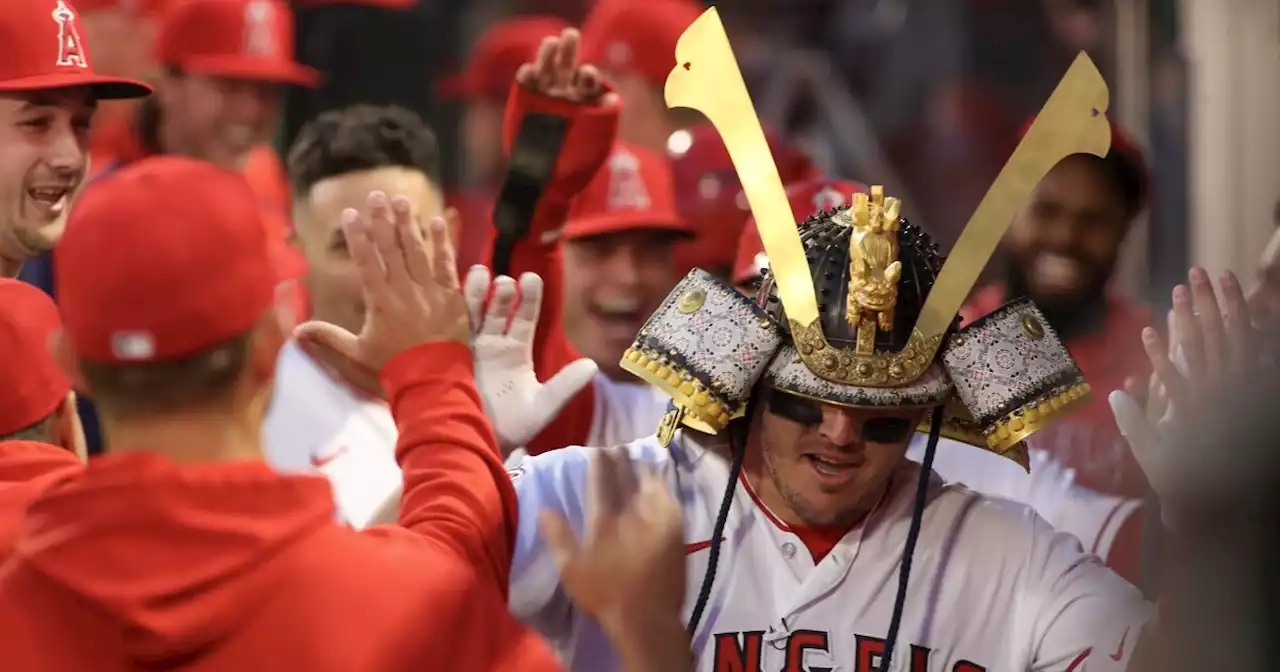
x=1062 y=250
x=48 y=97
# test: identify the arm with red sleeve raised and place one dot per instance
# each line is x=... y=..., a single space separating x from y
x=589 y=139
x=456 y=490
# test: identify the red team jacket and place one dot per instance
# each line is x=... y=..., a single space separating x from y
x=144 y=563
x=26 y=470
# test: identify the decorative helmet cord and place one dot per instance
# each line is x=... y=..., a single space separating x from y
x=913 y=535
x=738 y=448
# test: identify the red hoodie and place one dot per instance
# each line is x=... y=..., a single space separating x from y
x=143 y=563
x=27 y=469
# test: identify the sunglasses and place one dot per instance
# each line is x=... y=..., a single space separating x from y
x=807 y=412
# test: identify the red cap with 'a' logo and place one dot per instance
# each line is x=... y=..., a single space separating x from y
x=806 y=198
x=632 y=192
x=43 y=48
x=240 y=39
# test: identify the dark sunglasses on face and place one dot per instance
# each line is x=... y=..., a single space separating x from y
x=807 y=412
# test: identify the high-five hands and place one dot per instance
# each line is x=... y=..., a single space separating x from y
x=1211 y=345
x=517 y=404
x=412 y=297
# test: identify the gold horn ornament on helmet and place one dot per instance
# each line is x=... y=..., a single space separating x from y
x=706 y=78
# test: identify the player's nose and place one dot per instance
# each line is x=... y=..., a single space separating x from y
x=840 y=426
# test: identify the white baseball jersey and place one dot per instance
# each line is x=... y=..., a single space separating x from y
x=1050 y=489
x=317 y=425
x=993 y=586
x=625 y=412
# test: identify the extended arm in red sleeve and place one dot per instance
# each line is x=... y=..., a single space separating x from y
x=593 y=128
x=456 y=490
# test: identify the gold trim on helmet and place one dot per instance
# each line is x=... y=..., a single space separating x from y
x=707 y=79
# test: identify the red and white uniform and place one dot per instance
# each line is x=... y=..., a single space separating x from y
x=993 y=586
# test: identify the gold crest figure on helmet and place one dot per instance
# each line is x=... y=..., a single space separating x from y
x=874 y=269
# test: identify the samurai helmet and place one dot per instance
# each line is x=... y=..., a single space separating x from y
x=858 y=308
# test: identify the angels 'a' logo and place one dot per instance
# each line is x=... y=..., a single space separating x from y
x=259 y=36
x=827 y=199
x=627 y=190
x=70 y=49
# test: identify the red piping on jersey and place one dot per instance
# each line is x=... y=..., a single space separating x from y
x=746 y=485
x=1106 y=525
x=1079 y=659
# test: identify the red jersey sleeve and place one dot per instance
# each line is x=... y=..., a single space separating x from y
x=588 y=142
x=456 y=491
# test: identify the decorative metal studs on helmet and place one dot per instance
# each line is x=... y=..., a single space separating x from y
x=871 y=271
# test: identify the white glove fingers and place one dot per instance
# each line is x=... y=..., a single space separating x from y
x=475 y=291
x=525 y=321
x=562 y=387
x=504 y=295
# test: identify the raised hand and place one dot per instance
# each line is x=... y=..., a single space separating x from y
x=628 y=571
x=517 y=404
x=412 y=297
x=556 y=72
x=1211 y=345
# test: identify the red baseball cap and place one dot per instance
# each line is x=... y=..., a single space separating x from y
x=43 y=49
x=709 y=193
x=637 y=36
x=631 y=192
x=1128 y=162
x=240 y=39
x=31 y=382
x=807 y=198
x=163 y=259
x=498 y=54
x=130 y=7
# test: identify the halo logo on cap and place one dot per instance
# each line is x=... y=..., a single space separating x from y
x=627 y=190
x=70 y=49
x=259 y=38
x=827 y=199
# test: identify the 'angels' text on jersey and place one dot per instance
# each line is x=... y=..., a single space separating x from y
x=993 y=586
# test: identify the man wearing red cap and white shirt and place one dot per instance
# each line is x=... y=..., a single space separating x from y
x=483 y=87
x=215 y=561
x=633 y=42
x=40 y=438
x=224 y=61
x=48 y=96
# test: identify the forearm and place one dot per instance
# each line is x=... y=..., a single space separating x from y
x=651 y=644
x=456 y=490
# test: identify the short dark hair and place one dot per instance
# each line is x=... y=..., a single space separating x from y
x=199 y=381
x=362 y=137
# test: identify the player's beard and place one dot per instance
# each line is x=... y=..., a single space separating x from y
x=802 y=505
x=1081 y=313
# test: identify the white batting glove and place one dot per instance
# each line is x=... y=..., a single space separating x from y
x=517 y=404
